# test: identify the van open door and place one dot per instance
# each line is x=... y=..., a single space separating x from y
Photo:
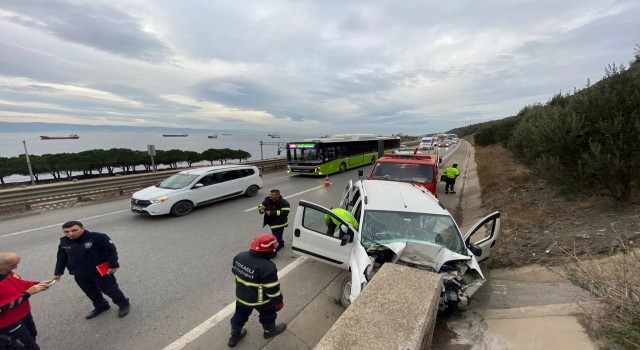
x=484 y=235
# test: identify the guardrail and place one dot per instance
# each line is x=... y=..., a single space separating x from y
x=71 y=192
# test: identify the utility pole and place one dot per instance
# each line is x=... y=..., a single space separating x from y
x=26 y=154
x=268 y=143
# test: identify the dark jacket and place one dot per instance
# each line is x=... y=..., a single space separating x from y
x=256 y=279
x=279 y=212
x=81 y=255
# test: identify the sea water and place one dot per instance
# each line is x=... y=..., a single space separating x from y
x=11 y=144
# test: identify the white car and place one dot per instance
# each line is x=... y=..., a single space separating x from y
x=400 y=223
x=180 y=193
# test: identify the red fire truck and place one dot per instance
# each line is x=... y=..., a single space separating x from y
x=413 y=167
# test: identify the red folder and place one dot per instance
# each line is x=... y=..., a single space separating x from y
x=103 y=268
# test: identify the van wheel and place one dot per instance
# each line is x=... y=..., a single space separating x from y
x=345 y=291
x=182 y=208
x=343 y=167
x=252 y=191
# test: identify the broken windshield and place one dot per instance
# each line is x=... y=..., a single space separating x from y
x=383 y=227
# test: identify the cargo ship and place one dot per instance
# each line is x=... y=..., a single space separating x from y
x=175 y=135
x=70 y=137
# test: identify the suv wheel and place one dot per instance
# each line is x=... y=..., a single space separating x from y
x=345 y=291
x=252 y=191
x=343 y=167
x=182 y=208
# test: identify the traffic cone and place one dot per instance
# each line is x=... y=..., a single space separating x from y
x=326 y=181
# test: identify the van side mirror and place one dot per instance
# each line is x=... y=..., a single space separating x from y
x=475 y=249
x=198 y=185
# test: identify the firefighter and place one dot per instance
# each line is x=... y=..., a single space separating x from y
x=257 y=287
x=276 y=214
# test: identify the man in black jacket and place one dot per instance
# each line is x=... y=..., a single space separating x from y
x=257 y=287
x=276 y=214
x=81 y=251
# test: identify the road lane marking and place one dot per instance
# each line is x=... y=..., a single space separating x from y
x=293 y=195
x=60 y=224
x=212 y=321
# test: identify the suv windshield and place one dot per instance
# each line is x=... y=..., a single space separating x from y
x=178 y=181
x=403 y=172
x=382 y=227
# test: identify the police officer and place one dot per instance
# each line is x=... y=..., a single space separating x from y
x=81 y=251
x=450 y=180
x=276 y=214
x=257 y=287
x=345 y=215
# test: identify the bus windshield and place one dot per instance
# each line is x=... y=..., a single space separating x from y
x=306 y=152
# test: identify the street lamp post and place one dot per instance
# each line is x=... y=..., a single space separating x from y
x=26 y=154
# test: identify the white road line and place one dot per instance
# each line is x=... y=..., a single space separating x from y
x=60 y=224
x=212 y=321
x=293 y=195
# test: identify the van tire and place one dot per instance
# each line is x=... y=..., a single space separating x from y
x=182 y=208
x=343 y=167
x=252 y=191
x=345 y=291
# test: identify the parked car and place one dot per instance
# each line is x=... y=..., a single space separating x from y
x=181 y=192
x=399 y=223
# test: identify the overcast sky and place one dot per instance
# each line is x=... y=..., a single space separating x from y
x=321 y=66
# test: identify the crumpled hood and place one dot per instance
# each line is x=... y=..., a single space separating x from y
x=427 y=254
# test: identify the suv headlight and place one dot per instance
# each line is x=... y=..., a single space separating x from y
x=159 y=199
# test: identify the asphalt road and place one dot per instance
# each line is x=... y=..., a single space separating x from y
x=176 y=271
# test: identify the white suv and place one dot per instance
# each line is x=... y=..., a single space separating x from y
x=180 y=193
x=399 y=223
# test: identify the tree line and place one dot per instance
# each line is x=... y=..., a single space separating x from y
x=587 y=141
x=106 y=162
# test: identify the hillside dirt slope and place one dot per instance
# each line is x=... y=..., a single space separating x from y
x=544 y=226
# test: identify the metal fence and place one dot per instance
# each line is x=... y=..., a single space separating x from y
x=69 y=193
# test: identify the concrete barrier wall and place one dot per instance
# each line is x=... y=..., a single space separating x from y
x=396 y=310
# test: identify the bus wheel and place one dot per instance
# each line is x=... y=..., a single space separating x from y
x=343 y=167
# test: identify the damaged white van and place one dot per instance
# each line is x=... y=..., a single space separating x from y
x=400 y=223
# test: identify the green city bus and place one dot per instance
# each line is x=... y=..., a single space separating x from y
x=338 y=153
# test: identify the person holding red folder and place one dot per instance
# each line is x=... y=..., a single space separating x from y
x=92 y=259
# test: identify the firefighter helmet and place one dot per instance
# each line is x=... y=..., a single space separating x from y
x=265 y=242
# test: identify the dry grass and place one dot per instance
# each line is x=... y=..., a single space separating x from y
x=542 y=225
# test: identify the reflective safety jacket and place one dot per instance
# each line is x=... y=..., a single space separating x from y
x=256 y=279
x=344 y=214
x=452 y=172
x=279 y=212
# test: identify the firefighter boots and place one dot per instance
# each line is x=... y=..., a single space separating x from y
x=236 y=335
x=271 y=330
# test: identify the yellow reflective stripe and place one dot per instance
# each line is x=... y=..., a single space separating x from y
x=286 y=209
x=260 y=206
x=252 y=304
x=273 y=295
x=278 y=212
x=257 y=285
x=272 y=284
x=278 y=226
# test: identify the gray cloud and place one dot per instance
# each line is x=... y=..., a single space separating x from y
x=380 y=67
x=89 y=23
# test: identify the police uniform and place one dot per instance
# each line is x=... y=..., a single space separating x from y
x=81 y=256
